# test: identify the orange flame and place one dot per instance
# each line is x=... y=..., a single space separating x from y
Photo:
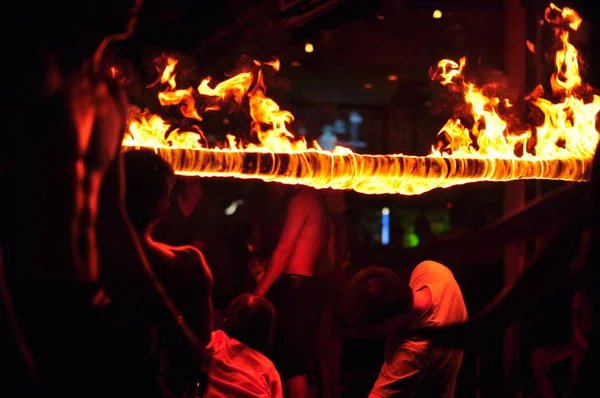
x=560 y=148
x=568 y=130
x=173 y=96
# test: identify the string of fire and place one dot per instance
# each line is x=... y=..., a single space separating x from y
x=561 y=147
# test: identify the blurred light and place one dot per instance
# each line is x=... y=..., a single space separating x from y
x=380 y=17
x=368 y=86
x=437 y=14
x=385 y=226
x=392 y=78
x=411 y=240
x=295 y=63
x=230 y=210
x=449 y=205
x=308 y=47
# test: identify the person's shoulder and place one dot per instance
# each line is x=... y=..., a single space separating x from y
x=430 y=273
x=431 y=266
x=178 y=254
x=305 y=196
x=187 y=258
x=263 y=363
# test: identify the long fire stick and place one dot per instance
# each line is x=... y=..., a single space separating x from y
x=372 y=174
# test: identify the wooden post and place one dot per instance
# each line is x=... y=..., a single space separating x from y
x=514 y=193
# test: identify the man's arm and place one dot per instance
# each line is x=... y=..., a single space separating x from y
x=401 y=376
x=294 y=221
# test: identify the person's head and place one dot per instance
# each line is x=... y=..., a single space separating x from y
x=149 y=180
x=377 y=296
x=251 y=320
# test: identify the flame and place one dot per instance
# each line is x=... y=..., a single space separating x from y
x=173 y=96
x=568 y=130
x=491 y=149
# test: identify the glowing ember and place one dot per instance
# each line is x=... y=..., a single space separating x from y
x=560 y=148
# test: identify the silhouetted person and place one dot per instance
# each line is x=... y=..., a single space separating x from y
x=329 y=347
x=238 y=366
x=68 y=274
x=196 y=217
x=382 y=300
x=296 y=278
x=181 y=269
x=591 y=273
x=545 y=358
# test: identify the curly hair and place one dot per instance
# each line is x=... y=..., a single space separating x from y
x=251 y=320
x=373 y=295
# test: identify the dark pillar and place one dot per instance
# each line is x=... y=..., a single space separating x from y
x=514 y=192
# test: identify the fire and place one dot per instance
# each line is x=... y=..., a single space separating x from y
x=491 y=149
x=568 y=130
x=172 y=96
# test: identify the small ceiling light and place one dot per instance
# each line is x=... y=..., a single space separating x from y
x=295 y=64
x=437 y=14
x=368 y=86
x=392 y=77
x=380 y=17
x=308 y=48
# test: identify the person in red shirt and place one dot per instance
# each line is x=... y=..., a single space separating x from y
x=237 y=362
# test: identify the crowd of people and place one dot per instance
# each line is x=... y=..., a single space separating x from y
x=115 y=282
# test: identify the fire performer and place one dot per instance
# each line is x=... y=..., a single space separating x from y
x=381 y=299
x=296 y=277
x=70 y=286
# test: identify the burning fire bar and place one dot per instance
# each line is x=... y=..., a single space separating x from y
x=370 y=174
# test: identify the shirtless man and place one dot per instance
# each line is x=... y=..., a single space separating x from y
x=295 y=278
x=67 y=280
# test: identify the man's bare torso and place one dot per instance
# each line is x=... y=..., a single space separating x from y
x=310 y=255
